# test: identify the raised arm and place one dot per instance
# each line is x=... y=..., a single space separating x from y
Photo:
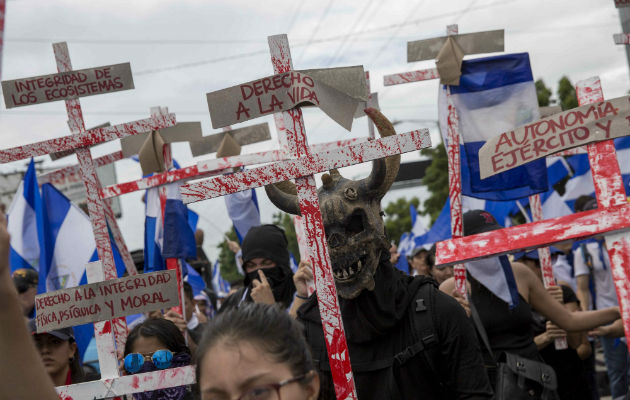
x=16 y=346
x=542 y=302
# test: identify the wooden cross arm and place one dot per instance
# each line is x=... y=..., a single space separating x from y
x=306 y=165
x=160 y=179
x=128 y=384
x=73 y=170
x=535 y=234
x=87 y=138
x=411 y=76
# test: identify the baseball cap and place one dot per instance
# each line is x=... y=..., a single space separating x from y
x=24 y=278
x=479 y=221
x=63 y=333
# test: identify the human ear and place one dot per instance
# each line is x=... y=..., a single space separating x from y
x=312 y=388
x=72 y=349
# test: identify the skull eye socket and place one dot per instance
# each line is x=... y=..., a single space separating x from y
x=354 y=223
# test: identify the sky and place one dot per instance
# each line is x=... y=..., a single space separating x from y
x=181 y=50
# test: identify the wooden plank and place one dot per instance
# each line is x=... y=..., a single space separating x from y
x=85 y=139
x=610 y=193
x=129 y=384
x=533 y=235
x=338 y=355
x=305 y=165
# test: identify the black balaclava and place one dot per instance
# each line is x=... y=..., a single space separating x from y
x=269 y=241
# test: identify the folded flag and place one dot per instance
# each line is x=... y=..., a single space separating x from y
x=495 y=95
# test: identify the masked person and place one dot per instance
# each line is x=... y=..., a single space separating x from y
x=157 y=344
x=268 y=275
x=406 y=340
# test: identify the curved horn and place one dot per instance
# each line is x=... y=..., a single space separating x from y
x=284 y=196
x=384 y=171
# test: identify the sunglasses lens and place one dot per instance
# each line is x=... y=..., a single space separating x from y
x=162 y=359
x=133 y=362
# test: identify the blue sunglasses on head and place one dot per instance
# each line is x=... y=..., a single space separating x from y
x=161 y=359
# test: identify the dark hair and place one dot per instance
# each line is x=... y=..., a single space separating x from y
x=77 y=375
x=581 y=202
x=270 y=327
x=431 y=257
x=162 y=329
x=188 y=291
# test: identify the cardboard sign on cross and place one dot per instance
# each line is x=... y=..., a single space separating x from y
x=611 y=218
x=302 y=168
x=80 y=141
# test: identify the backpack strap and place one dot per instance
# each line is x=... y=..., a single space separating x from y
x=422 y=319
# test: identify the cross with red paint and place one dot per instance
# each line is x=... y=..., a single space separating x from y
x=611 y=218
x=302 y=168
x=62 y=86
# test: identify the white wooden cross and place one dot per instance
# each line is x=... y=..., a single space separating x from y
x=302 y=168
x=80 y=141
x=611 y=218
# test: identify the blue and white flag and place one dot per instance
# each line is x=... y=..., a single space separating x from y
x=172 y=237
x=179 y=236
x=495 y=95
x=220 y=286
x=153 y=232
x=25 y=223
x=243 y=210
x=192 y=276
x=69 y=241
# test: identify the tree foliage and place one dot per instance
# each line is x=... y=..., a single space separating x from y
x=566 y=94
x=397 y=217
x=226 y=258
x=285 y=221
x=436 y=181
x=543 y=93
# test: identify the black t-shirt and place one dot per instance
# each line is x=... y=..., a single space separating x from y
x=450 y=367
x=569 y=368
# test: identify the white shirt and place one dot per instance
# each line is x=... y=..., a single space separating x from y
x=605 y=295
x=562 y=271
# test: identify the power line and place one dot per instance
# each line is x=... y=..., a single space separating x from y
x=314 y=32
x=295 y=16
x=333 y=58
x=398 y=28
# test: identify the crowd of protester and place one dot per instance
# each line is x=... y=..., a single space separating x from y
x=253 y=344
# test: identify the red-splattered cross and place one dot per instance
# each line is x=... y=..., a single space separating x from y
x=302 y=168
x=80 y=141
x=612 y=218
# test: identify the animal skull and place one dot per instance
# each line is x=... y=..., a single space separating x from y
x=351 y=211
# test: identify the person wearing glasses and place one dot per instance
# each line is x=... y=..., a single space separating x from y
x=156 y=344
x=255 y=352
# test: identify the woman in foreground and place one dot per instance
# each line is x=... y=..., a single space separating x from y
x=255 y=352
